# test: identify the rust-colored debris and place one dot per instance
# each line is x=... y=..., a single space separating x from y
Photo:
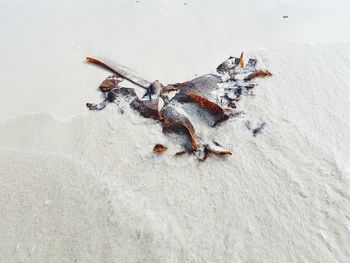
x=180 y=153
x=206 y=104
x=159 y=148
x=259 y=74
x=109 y=83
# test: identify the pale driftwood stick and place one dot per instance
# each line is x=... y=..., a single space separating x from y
x=121 y=72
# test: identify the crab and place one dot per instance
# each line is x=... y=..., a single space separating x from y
x=215 y=96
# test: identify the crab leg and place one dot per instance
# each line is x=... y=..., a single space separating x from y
x=121 y=72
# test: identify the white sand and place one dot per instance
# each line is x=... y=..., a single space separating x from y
x=88 y=188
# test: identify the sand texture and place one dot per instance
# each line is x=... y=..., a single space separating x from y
x=79 y=186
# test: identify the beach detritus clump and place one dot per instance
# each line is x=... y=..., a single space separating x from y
x=212 y=96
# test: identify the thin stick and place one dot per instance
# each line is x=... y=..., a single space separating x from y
x=121 y=72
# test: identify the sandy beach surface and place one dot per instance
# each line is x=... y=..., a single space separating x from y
x=79 y=186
